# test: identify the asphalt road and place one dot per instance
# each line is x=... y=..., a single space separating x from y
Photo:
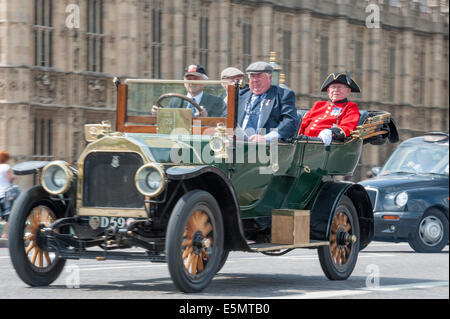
x=383 y=271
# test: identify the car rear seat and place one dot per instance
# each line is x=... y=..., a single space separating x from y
x=363 y=115
x=391 y=127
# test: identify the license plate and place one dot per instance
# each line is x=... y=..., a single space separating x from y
x=97 y=222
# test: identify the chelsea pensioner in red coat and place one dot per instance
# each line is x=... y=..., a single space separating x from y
x=343 y=114
x=337 y=117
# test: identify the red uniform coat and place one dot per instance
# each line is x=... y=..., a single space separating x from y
x=324 y=114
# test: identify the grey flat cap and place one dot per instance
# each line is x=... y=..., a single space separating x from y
x=230 y=72
x=259 y=67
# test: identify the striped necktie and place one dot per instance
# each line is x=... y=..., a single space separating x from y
x=253 y=111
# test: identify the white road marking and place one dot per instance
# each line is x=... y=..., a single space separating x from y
x=109 y=264
x=125 y=265
x=419 y=285
x=122 y=267
x=380 y=243
x=313 y=257
x=362 y=291
x=323 y=294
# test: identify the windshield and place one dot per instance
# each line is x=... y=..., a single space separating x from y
x=418 y=158
x=144 y=97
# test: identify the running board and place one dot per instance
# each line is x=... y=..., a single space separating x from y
x=109 y=255
x=276 y=247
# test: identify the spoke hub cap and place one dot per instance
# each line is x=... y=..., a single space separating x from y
x=197 y=242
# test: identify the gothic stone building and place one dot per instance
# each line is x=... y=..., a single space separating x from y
x=57 y=59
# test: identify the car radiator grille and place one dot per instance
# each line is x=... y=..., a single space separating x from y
x=109 y=180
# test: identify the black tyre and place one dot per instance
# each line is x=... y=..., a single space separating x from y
x=33 y=210
x=431 y=234
x=194 y=241
x=223 y=260
x=339 y=258
x=363 y=247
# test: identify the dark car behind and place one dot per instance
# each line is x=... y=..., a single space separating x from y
x=410 y=194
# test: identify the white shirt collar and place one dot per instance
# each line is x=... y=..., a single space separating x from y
x=197 y=98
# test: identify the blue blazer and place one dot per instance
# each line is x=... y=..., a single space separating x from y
x=278 y=111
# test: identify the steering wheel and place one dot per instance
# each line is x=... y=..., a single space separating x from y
x=181 y=96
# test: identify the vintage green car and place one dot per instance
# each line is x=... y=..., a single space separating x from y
x=188 y=190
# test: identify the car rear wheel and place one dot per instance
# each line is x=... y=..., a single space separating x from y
x=339 y=258
x=194 y=244
x=32 y=211
x=431 y=234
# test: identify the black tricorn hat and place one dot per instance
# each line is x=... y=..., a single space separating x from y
x=340 y=77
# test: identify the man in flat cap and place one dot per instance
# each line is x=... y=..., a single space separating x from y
x=336 y=118
x=266 y=111
x=210 y=105
x=230 y=75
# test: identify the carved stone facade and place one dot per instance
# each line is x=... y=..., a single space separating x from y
x=54 y=79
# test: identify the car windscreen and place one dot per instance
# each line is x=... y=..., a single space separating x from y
x=143 y=95
x=418 y=158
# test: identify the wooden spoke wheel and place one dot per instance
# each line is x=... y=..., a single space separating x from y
x=339 y=258
x=194 y=241
x=41 y=216
x=197 y=242
x=340 y=238
x=32 y=211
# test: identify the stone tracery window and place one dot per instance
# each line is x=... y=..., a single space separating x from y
x=359 y=55
x=42 y=138
x=156 y=39
x=203 y=34
x=287 y=38
x=247 y=40
x=94 y=35
x=390 y=67
x=324 y=51
x=324 y=60
x=185 y=32
x=43 y=33
x=421 y=74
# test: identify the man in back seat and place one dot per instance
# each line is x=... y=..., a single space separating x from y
x=337 y=117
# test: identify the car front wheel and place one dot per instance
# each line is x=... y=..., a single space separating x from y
x=194 y=241
x=32 y=211
x=431 y=234
x=339 y=258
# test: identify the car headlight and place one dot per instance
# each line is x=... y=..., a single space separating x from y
x=395 y=201
x=401 y=199
x=57 y=177
x=150 y=180
x=217 y=144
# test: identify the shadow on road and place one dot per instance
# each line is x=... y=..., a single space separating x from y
x=241 y=285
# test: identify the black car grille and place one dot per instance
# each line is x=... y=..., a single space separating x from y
x=109 y=180
x=373 y=197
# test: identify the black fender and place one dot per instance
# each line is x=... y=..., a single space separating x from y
x=37 y=192
x=214 y=181
x=30 y=167
x=325 y=203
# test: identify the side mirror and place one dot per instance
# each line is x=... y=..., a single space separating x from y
x=376 y=170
